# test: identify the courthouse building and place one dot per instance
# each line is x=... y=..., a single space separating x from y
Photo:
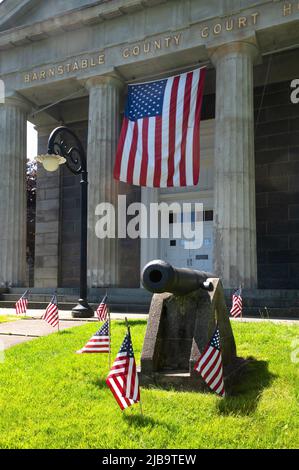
x=69 y=62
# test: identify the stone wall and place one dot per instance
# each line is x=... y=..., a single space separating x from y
x=47 y=222
x=69 y=253
x=277 y=189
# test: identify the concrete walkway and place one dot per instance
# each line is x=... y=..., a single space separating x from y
x=19 y=331
x=67 y=315
x=15 y=332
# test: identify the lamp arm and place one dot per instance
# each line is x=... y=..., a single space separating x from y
x=73 y=153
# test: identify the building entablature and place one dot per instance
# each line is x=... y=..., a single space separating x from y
x=136 y=39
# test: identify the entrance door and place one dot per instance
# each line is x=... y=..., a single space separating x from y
x=173 y=249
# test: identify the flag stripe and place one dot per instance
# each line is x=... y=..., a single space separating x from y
x=165 y=132
x=186 y=114
x=178 y=128
x=151 y=162
x=129 y=125
x=132 y=155
x=120 y=149
x=158 y=152
x=172 y=130
x=144 y=153
x=196 y=136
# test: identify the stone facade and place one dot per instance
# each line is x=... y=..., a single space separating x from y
x=73 y=69
x=277 y=192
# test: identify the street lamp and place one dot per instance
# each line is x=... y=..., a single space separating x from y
x=65 y=147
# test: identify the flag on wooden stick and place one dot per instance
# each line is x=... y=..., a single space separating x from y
x=159 y=141
x=99 y=342
x=51 y=314
x=209 y=365
x=123 y=378
x=22 y=303
x=237 y=304
x=102 y=310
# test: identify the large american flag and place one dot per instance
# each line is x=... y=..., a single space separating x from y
x=237 y=304
x=209 y=365
x=51 y=314
x=102 y=310
x=99 y=342
x=22 y=303
x=123 y=379
x=159 y=140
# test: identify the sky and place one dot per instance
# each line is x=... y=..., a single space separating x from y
x=31 y=140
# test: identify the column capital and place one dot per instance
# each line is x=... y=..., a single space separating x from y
x=104 y=80
x=246 y=48
x=18 y=101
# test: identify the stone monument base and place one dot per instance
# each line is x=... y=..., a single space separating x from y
x=178 y=330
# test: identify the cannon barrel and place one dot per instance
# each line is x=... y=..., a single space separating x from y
x=159 y=276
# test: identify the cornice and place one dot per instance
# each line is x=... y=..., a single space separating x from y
x=71 y=20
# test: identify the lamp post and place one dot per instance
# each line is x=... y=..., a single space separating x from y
x=65 y=147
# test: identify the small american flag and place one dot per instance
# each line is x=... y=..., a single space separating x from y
x=102 y=310
x=159 y=140
x=123 y=379
x=236 y=309
x=22 y=303
x=209 y=365
x=99 y=342
x=51 y=315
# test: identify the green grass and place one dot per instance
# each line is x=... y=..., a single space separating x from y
x=7 y=318
x=52 y=398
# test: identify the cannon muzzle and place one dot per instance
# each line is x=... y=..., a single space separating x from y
x=159 y=276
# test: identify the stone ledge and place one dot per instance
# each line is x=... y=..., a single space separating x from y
x=70 y=20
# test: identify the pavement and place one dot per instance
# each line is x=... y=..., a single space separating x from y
x=19 y=331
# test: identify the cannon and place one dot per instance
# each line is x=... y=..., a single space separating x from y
x=159 y=276
x=185 y=308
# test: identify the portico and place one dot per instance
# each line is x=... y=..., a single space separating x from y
x=73 y=70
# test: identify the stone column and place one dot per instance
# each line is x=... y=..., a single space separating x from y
x=149 y=247
x=103 y=133
x=235 y=215
x=13 y=138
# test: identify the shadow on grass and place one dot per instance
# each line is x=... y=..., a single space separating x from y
x=141 y=420
x=131 y=322
x=247 y=388
x=100 y=383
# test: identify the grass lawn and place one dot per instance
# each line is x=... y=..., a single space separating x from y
x=52 y=398
x=6 y=318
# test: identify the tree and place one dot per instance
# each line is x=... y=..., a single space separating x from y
x=31 y=170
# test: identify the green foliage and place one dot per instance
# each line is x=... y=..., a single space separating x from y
x=6 y=318
x=52 y=398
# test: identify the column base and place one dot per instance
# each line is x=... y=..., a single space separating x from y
x=82 y=310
